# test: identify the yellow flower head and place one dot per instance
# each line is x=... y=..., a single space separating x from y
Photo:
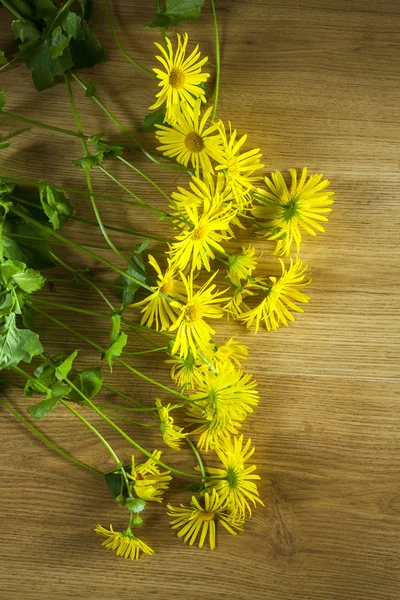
x=279 y=298
x=242 y=265
x=157 y=308
x=229 y=396
x=149 y=482
x=197 y=245
x=288 y=212
x=186 y=372
x=192 y=330
x=201 y=519
x=233 y=352
x=172 y=434
x=209 y=191
x=123 y=543
x=239 y=167
x=190 y=139
x=238 y=487
x=236 y=305
x=181 y=78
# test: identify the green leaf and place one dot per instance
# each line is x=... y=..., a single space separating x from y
x=3 y=59
x=17 y=345
x=2 y=100
x=115 y=349
x=14 y=271
x=115 y=327
x=65 y=367
x=154 y=118
x=90 y=88
x=72 y=25
x=87 y=52
x=115 y=483
x=56 y=205
x=45 y=374
x=35 y=253
x=58 y=390
x=59 y=42
x=40 y=410
x=29 y=317
x=89 y=382
x=25 y=31
x=174 y=12
x=136 y=505
x=137 y=269
x=109 y=150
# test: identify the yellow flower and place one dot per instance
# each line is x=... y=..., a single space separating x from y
x=279 y=298
x=149 y=482
x=189 y=139
x=158 y=309
x=197 y=519
x=181 y=79
x=186 y=372
x=123 y=543
x=238 y=487
x=209 y=191
x=236 y=305
x=233 y=352
x=239 y=168
x=223 y=402
x=242 y=265
x=172 y=434
x=303 y=207
x=192 y=330
x=197 y=245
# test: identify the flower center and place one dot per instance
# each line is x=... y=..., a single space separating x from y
x=193 y=313
x=232 y=477
x=234 y=168
x=177 y=78
x=290 y=209
x=206 y=516
x=200 y=233
x=168 y=286
x=194 y=142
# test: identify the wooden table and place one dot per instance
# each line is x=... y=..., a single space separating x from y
x=313 y=83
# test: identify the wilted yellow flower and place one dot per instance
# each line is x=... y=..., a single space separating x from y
x=196 y=520
x=149 y=482
x=238 y=487
x=186 y=372
x=229 y=397
x=287 y=212
x=190 y=139
x=181 y=79
x=157 y=308
x=172 y=434
x=123 y=543
x=236 y=305
x=192 y=330
x=279 y=298
x=241 y=265
x=239 y=168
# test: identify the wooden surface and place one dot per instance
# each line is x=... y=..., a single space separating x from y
x=314 y=83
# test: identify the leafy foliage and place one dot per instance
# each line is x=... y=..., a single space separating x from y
x=26 y=243
x=56 y=205
x=17 y=345
x=45 y=374
x=154 y=118
x=136 y=269
x=89 y=382
x=174 y=12
x=118 y=340
x=64 y=368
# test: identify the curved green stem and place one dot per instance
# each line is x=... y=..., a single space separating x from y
x=119 y=45
x=197 y=455
x=10 y=62
x=46 y=441
x=43 y=125
x=217 y=60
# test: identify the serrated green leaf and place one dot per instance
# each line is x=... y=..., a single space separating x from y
x=7 y=303
x=25 y=31
x=65 y=367
x=17 y=345
x=14 y=271
x=41 y=409
x=174 y=12
x=72 y=25
x=35 y=253
x=154 y=118
x=115 y=349
x=89 y=161
x=56 y=205
x=59 y=42
x=89 y=382
x=87 y=52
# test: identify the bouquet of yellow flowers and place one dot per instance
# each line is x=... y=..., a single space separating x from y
x=169 y=294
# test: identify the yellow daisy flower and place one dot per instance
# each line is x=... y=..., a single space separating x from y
x=229 y=397
x=238 y=487
x=236 y=305
x=190 y=139
x=279 y=298
x=124 y=543
x=239 y=168
x=233 y=352
x=172 y=434
x=181 y=79
x=209 y=191
x=192 y=330
x=303 y=207
x=198 y=244
x=157 y=308
x=242 y=265
x=149 y=482
x=196 y=520
x=186 y=372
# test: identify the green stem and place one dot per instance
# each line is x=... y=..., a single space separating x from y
x=124 y=130
x=42 y=125
x=197 y=455
x=38 y=239
x=10 y=62
x=126 y=420
x=46 y=441
x=218 y=62
x=119 y=45
x=16 y=14
x=150 y=236
x=121 y=395
x=14 y=134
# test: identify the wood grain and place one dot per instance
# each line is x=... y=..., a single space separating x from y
x=313 y=83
